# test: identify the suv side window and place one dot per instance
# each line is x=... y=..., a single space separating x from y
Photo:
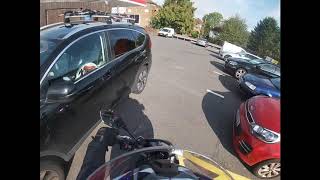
x=121 y=41
x=80 y=58
x=139 y=38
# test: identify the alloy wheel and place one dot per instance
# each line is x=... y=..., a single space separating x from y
x=240 y=73
x=142 y=80
x=269 y=170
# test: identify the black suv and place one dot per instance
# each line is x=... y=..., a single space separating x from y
x=84 y=67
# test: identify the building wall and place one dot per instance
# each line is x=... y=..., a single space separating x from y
x=145 y=13
x=49 y=11
x=197 y=27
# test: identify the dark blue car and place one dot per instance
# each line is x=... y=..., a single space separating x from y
x=253 y=84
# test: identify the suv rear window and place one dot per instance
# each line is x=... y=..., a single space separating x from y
x=139 y=38
x=121 y=41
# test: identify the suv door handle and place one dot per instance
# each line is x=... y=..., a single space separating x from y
x=108 y=75
x=141 y=54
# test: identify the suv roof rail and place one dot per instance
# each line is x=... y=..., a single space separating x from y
x=50 y=25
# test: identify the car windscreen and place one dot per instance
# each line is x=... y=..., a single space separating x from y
x=256 y=61
x=47 y=46
x=165 y=30
x=276 y=82
x=277 y=71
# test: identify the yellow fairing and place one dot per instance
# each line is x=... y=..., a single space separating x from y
x=205 y=166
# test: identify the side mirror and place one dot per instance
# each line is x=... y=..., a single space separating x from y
x=60 y=91
x=258 y=67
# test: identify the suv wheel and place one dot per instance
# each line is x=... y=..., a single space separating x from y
x=267 y=169
x=141 y=80
x=51 y=170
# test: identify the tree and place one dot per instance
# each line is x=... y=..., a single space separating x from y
x=177 y=14
x=210 y=21
x=195 y=34
x=234 y=30
x=264 y=40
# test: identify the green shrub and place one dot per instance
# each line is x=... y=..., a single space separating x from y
x=216 y=41
x=195 y=34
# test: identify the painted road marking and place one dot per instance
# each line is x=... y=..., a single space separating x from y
x=179 y=67
x=218 y=73
x=209 y=91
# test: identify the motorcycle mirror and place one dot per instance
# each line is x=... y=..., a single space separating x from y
x=111 y=119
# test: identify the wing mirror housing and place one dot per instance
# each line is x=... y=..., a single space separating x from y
x=60 y=91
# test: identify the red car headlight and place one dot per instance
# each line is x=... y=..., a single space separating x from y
x=264 y=134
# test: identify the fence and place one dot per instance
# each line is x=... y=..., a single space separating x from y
x=186 y=38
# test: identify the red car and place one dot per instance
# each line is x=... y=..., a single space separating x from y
x=256 y=135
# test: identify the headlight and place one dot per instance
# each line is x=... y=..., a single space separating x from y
x=251 y=86
x=233 y=63
x=265 y=134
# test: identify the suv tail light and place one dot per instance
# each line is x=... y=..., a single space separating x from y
x=149 y=43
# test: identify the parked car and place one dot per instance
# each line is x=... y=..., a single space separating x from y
x=228 y=48
x=166 y=32
x=84 y=67
x=243 y=55
x=256 y=135
x=252 y=85
x=238 y=67
x=202 y=42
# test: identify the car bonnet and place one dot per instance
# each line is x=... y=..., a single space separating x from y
x=266 y=112
x=259 y=81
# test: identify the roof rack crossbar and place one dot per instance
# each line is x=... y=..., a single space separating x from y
x=89 y=15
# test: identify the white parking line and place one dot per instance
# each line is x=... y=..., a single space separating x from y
x=209 y=91
x=218 y=73
x=179 y=67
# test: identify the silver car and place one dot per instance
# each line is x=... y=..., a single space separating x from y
x=202 y=42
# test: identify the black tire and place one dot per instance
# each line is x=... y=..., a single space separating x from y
x=54 y=169
x=260 y=167
x=239 y=73
x=137 y=88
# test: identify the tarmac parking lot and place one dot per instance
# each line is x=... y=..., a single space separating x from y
x=189 y=100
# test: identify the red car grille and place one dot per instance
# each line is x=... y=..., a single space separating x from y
x=244 y=147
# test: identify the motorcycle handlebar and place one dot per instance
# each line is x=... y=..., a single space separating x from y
x=127 y=143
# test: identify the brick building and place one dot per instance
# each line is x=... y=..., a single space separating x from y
x=198 y=25
x=141 y=14
x=51 y=9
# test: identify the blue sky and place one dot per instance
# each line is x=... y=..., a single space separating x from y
x=251 y=10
